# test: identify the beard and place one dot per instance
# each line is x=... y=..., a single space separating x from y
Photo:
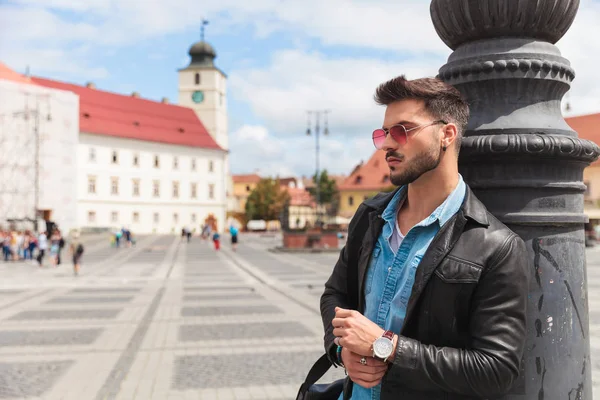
x=421 y=164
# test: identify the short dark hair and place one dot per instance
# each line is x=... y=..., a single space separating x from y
x=442 y=100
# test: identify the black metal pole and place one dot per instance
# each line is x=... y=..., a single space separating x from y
x=526 y=164
x=318 y=179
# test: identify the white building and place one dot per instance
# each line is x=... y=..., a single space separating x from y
x=152 y=166
x=37 y=123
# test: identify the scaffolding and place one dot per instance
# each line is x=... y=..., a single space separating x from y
x=22 y=116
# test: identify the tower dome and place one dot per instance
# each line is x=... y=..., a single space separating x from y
x=203 y=54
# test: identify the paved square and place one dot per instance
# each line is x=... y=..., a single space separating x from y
x=242 y=330
x=58 y=337
x=24 y=380
x=65 y=314
x=168 y=319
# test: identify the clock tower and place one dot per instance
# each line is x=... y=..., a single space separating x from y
x=202 y=87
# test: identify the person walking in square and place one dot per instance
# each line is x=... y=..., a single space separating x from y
x=441 y=284
x=217 y=240
x=233 y=231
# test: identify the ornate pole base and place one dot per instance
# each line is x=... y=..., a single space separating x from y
x=526 y=165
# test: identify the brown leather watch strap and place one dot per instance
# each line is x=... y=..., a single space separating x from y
x=388 y=335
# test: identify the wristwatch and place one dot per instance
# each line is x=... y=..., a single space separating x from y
x=383 y=346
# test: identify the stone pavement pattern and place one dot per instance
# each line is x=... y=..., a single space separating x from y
x=172 y=320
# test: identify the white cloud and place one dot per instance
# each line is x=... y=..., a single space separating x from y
x=296 y=81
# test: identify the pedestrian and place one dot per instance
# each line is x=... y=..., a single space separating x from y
x=188 y=233
x=77 y=250
x=441 y=312
x=233 y=231
x=61 y=246
x=42 y=247
x=217 y=240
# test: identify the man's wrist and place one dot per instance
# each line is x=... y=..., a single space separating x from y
x=395 y=346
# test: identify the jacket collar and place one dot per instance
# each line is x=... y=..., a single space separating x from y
x=472 y=207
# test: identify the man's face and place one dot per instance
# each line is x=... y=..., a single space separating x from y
x=422 y=152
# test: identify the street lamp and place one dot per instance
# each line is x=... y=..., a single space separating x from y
x=317 y=130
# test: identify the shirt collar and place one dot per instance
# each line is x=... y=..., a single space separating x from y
x=441 y=214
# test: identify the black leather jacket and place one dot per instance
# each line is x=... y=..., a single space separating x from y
x=464 y=332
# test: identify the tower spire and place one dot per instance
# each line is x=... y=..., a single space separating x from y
x=204 y=23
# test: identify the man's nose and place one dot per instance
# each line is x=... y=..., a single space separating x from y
x=389 y=143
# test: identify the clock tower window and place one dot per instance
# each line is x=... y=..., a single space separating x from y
x=197 y=78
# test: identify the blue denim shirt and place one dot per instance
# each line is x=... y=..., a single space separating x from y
x=390 y=276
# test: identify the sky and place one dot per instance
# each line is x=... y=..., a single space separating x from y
x=281 y=57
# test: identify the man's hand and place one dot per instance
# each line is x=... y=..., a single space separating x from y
x=356 y=332
x=367 y=376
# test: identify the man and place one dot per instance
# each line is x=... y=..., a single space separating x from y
x=442 y=283
x=233 y=231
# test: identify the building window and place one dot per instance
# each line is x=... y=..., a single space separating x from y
x=175 y=190
x=92 y=216
x=114 y=216
x=136 y=187
x=156 y=188
x=350 y=201
x=193 y=218
x=92 y=184
x=211 y=166
x=136 y=217
x=197 y=78
x=211 y=191
x=193 y=164
x=114 y=186
x=156 y=162
x=136 y=160
x=358 y=180
x=92 y=155
x=247 y=188
x=175 y=218
x=194 y=191
x=156 y=218
x=175 y=163
x=115 y=157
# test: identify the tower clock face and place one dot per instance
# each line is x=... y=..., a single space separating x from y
x=198 y=96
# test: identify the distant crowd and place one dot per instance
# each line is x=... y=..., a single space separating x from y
x=25 y=245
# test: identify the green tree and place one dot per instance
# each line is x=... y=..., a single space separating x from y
x=266 y=201
x=328 y=192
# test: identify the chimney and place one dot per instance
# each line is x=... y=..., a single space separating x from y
x=165 y=100
x=135 y=94
x=90 y=85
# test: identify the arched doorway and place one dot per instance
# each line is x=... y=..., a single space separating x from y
x=212 y=221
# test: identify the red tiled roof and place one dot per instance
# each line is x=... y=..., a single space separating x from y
x=10 y=75
x=248 y=178
x=111 y=114
x=372 y=175
x=300 y=197
x=587 y=127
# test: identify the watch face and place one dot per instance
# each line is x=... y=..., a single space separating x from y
x=383 y=347
x=198 y=96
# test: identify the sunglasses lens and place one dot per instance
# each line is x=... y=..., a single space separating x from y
x=378 y=138
x=398 y=133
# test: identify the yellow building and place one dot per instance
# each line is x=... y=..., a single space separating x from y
x=243 y=185
x=365 y=181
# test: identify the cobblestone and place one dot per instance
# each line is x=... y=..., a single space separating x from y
x=66 y=314
x=240 y=331
x=228 y=310
x=76 y=300
x=29 y=379
x=55 y=337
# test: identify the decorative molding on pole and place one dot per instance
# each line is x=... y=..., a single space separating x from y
x=526 y=164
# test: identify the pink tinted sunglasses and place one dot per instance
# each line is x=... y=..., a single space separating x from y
x=398 y=132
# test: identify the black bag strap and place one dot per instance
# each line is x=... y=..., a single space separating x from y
x=316 y=372
x=352 y=247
